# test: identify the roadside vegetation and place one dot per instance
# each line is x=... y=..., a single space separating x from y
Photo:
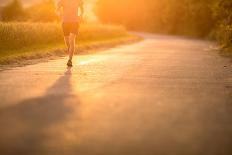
x=35 y=32
x=211 y=19
x=21 y=40
x=19 y=34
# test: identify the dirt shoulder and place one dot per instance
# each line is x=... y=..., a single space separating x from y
x=55 y=51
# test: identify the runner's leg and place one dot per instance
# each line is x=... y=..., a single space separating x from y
x=72 y=39
x=66 y=40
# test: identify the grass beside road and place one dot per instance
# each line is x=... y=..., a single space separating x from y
x=26 y=41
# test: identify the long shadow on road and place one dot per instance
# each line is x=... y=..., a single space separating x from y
x=23 y=125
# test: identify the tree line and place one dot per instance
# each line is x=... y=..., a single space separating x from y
x=39 y=12
x=198 y=18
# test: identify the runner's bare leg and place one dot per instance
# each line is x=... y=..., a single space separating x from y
x=66 y=40
x=72 y=39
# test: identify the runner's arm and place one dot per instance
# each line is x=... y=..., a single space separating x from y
x=59 y=8
x=82 y=9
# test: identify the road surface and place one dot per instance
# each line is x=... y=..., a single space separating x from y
x=162 y=96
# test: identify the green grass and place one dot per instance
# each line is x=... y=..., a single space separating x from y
x=21 y=41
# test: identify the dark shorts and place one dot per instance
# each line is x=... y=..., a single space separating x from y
x=70 y=28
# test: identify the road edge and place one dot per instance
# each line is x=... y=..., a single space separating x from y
x=82 y=49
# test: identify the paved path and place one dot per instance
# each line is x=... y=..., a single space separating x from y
x=161 y=96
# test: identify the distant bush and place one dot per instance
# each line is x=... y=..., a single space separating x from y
x=42 y=12
x=13 y=11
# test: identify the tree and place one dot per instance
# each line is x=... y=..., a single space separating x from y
x=13 y=11
x=187 y=17
x=223 y=15
x=43 y=11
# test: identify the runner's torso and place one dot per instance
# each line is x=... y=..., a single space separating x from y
x=70 y=10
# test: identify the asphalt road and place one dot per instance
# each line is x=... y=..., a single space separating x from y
x=162 y=96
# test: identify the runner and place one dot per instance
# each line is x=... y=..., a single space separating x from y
x=68 y=10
